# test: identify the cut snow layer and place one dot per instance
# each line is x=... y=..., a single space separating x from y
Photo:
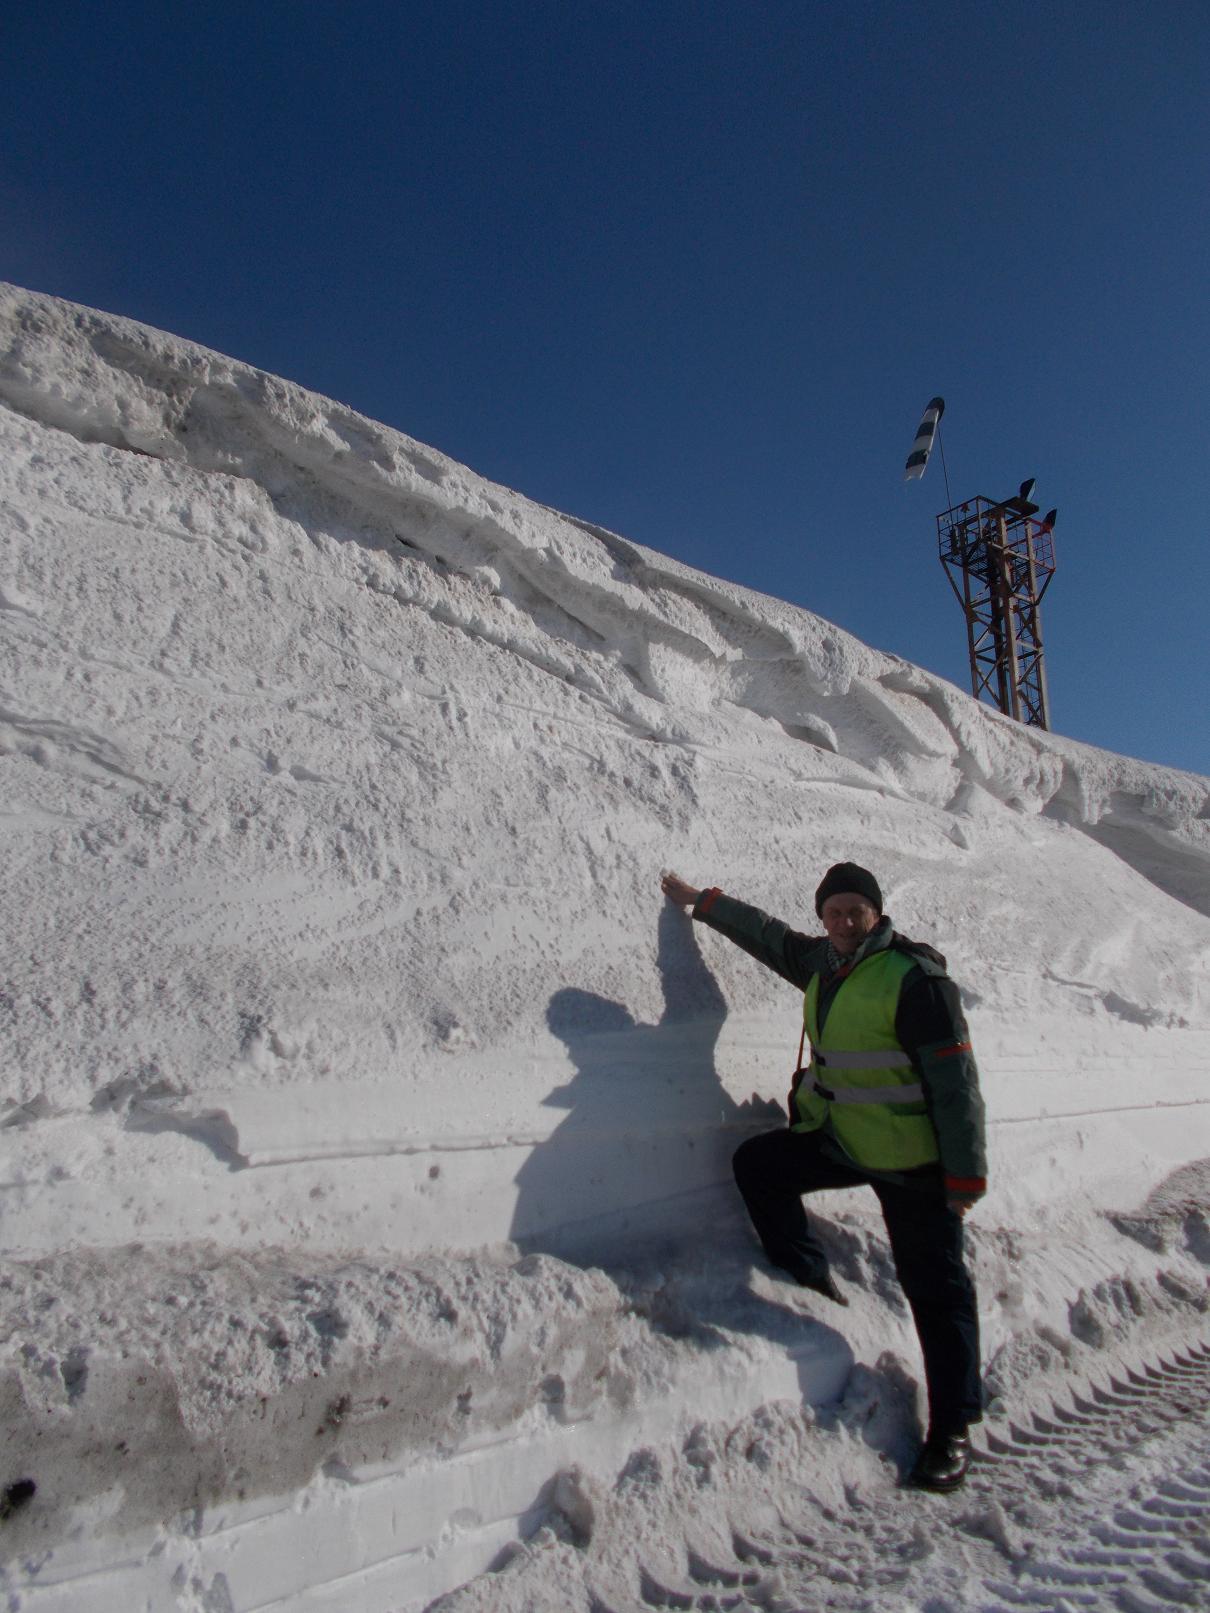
x=347 y=1033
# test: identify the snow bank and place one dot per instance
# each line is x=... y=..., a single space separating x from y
x=336 y=786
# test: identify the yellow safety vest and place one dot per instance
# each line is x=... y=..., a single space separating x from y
x=860 y=1082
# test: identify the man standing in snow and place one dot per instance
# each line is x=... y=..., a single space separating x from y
x=889 y=1099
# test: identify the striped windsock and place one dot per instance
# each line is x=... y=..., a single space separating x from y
x=919 y=456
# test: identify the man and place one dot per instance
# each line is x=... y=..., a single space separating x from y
x=889 y=1099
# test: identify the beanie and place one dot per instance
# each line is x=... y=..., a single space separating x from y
x=848 y=878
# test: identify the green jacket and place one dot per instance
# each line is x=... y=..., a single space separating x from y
x=924 y=1020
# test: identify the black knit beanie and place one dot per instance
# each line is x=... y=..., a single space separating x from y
x=845 y=878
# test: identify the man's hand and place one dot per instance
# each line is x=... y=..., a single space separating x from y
x=676 y=890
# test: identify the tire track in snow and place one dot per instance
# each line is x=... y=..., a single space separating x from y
x=1074 y=1502
x=1152 y=1550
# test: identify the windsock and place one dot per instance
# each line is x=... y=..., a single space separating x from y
x=919 y=456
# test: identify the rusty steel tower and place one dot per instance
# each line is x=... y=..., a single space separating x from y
x=999 y=559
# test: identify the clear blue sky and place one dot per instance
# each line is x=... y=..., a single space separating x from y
x=692 y=270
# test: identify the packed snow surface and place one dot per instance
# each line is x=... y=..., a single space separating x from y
x=367 y=1113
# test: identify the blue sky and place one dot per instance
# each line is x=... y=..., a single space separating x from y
x=693 y=270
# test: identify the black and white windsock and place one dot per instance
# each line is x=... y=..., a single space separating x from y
x=922 y=447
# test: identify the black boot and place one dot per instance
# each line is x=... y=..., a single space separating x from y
x=942 y=1463
x=820 y=1283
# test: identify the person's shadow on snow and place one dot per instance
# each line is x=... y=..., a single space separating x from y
x=642 y=1161
x=637 y=1177
x=649 y=1126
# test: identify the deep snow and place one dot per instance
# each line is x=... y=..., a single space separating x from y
x=367 y=1113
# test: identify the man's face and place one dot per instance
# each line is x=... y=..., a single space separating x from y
x=848 y=919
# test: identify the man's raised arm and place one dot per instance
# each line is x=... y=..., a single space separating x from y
x=793 y=956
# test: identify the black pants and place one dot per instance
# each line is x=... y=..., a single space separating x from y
x=775 y=1170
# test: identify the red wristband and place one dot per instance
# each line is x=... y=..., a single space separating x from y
x=966 y=1186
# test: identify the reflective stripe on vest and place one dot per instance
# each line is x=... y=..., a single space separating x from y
x=863 y=1061
x=897 y=1094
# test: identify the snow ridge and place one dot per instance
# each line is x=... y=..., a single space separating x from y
x=336 y=785
x=680 y=637
x=1076 y=1511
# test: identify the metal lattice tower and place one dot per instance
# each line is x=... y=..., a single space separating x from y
x=999 y=561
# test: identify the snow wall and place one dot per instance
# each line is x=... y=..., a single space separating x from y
x=346 y=1032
